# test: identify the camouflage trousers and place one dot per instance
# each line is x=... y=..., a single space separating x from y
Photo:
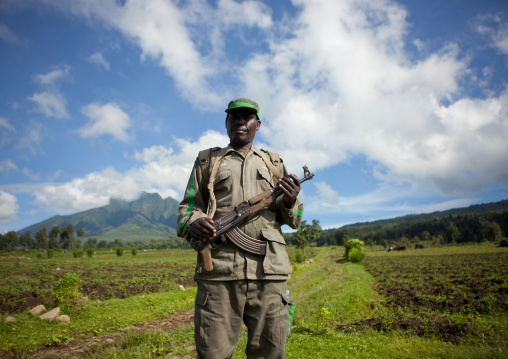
x=220 y=308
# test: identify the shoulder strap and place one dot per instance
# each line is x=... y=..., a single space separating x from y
x=217 y=156
x=204 y=162
x=273 y=162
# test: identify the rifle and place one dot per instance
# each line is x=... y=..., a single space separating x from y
x=226 y=227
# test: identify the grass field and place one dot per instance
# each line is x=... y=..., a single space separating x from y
x=448 y=302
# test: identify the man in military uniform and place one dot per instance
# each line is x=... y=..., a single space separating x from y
x=242 y=285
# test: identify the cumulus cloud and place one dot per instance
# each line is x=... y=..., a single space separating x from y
x=99 y=59
x=358 y=92
x=163 y=170
x=8 y=207
x=335 y=82
x=179 y=38
x=108 y=119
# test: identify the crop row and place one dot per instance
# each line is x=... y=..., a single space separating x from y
x=438 y=295
x=26 y=284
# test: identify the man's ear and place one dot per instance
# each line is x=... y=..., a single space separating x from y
x=258 y=124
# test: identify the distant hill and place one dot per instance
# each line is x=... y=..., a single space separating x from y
x=148 y=217
x=473 y=209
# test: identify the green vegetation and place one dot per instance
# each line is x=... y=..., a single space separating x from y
x=440 y=302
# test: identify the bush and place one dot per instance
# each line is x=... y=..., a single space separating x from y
x=134 y=251
x=90 y=252
x=50 y=253
x=77 y=254
x=299 y=257
x=353 y=243
x=356 y=255
x=503 y=242
x=66 y=292
x=119 y=251
x=355 y=251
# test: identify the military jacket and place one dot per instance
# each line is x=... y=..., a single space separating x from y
x=240 y=178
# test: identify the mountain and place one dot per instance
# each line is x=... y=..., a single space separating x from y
x=148 y=217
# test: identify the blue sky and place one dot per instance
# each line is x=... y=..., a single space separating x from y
x=398 y=107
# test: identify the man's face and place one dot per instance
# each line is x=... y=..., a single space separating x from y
x=242 y=126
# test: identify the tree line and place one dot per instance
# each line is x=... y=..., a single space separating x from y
x=63 y=237
x=452 y=229
x=68 y=238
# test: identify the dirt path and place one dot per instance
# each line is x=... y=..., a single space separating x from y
x=76 y=349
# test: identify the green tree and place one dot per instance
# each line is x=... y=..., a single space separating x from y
x=67 y=237
x=9 y=241
x=41 y=238
x=452 y=233
x=80 y=232
x=90 y=243
x=26 y=241
x=306 y=234
x=53 y=237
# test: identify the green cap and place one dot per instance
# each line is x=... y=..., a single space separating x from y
x=243 y=104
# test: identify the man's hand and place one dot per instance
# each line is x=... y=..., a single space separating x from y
x=290 y=185
x=202 y=229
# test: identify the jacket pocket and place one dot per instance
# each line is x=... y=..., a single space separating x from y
x=276 y=259
x=222 y=188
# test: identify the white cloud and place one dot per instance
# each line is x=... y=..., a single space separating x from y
x=5 y=124
x=163 y=170
x=8 y=207
x=327 y=197
x=99 y=59
x=108 y=119
x=51 y=104
x=8 y=35
x=6 y=131
x=179 y=38
x=50 y=79
x=343 y=85
x=336 y=81
x=32 y=138
x=496 y=28
x=7 y=166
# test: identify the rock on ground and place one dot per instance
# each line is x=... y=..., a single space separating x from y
x=63 y=319
x=37 y=310
x=51 y=315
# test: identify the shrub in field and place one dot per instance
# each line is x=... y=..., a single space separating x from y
x=354 y=243
x=356 y=255
x=503 y=242
x=66 y=291
x=50 y=253
x=77 y=254
x=299 y=256
x=119 y=251
x=134 y=251
x=90 y=252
